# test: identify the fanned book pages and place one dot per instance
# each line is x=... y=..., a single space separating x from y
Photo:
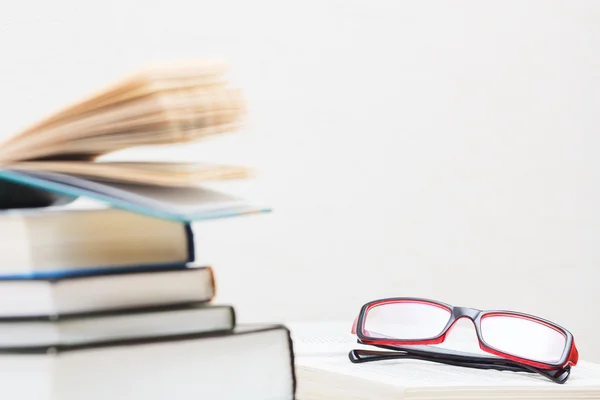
x=59 y=158
x=164 y=104
x=324 y=372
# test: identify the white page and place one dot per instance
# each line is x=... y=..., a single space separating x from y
x=319 y=339
x=322 y=364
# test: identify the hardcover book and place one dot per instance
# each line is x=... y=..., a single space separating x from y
x=252 y=362
x=57 y=241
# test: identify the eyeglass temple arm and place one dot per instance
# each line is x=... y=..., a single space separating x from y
x=361 y=356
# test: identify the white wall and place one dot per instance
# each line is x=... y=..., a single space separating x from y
x=435 y=149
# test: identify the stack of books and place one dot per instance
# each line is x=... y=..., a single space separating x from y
x=108 y=301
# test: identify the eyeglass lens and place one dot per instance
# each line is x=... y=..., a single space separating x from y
x=523 y=337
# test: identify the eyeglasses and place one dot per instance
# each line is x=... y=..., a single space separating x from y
x=515 y=341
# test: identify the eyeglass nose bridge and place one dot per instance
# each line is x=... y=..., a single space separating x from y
x=465 y=312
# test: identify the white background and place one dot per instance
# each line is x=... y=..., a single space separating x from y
x=408 y=148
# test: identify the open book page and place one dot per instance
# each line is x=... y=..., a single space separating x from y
x=323 y=339
x=323 y=365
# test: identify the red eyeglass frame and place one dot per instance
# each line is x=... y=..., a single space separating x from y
x=569 y=357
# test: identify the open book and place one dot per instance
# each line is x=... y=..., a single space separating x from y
x=324 y=372
x=56 y=159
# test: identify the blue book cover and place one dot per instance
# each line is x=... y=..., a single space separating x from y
x=88 y=272
x=185 y=204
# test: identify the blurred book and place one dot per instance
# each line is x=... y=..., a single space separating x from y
x=28 y=333
x=250 y=363
x=57 y=159
x=106 y=290
x=54 y=242
x=324 y=372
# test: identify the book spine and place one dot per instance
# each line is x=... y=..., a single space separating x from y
x=191 y=246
